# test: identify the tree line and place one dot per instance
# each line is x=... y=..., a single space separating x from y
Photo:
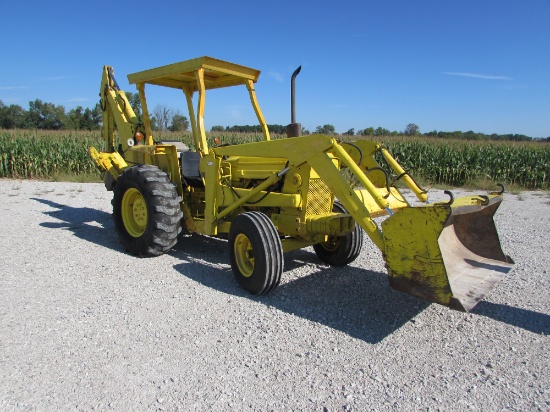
x=48 y=116
x=411 y=129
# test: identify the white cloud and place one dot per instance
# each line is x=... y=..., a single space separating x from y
x=478 y=76
x=13 y=87
x=277 y=76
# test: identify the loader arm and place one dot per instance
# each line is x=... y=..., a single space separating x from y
x=446 y=252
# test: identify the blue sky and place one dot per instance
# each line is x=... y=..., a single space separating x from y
x=480 y=65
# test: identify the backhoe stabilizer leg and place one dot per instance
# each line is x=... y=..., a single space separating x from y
x=112 y=163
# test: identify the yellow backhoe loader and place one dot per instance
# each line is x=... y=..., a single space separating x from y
x=274 y=196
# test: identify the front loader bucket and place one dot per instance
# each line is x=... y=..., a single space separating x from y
x=446 y=254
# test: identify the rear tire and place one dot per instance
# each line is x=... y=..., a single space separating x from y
x=146 y=211
x=341 y=250
x=255 y=252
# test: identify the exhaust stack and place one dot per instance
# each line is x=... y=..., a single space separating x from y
x=293 y=129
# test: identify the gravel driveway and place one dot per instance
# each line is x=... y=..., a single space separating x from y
x=85 y=326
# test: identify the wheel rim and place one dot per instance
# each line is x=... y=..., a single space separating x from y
x=134 y=212
x=244 y=255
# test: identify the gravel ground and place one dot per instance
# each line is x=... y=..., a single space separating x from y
x=85 y=326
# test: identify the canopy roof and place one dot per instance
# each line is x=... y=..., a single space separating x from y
x=217 y=73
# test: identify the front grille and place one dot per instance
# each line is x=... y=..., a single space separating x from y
x=319 y=198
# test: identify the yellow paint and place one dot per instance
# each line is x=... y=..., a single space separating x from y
x=108 y=162
x=395 y=200
x=145 y=111
x=244 y=255
x=422 y=196
x=210 y=166
x=202 y=146
x=197 y=137
x=227 y=197
x=256 y=106
x=218 y=73
x=134 y=212
x=412 y=252
x=294 y=181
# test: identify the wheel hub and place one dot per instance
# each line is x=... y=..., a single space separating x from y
x=332 y=243
x=244 y=255
x=134 y=212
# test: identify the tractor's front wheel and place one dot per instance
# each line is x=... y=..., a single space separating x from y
x=146 y=211
x=255 y=252
x=341 y=250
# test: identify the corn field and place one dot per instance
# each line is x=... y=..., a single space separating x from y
x=459 y=162
x=30 y=154
x=45 y=154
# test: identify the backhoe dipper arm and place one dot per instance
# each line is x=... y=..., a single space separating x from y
x=116 y=111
